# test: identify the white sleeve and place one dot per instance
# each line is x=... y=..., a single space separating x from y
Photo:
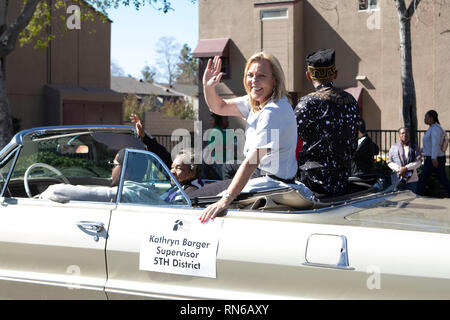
x=436 y=140
x=393 y=166
x=413 y=165
x=243 y=104
x=66 y=192
x=267 y=129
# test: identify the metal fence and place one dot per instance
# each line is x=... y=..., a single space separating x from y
x=165 y=140
x=383 y=138
x=386 y=138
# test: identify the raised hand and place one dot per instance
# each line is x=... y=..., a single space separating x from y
x=139 y=128
x=212 y=74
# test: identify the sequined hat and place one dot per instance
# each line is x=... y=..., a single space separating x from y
x=321 y=64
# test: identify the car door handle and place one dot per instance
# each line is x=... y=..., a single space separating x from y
x=91 y=226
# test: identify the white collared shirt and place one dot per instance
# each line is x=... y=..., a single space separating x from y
x=274 y=127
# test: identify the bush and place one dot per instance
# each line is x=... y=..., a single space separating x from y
x=381 y=164
x=179 y=108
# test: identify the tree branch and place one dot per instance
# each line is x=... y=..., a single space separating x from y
x=8 y=39
x=412 y=8
x=401 y=8
x=403 y=11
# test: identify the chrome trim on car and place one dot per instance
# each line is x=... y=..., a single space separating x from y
x=122 y=177
x=91 y=226
x=42 y=130
x=8 y=149
x=318 y=265
x=55 y=283
x=18 y=138
x=342 y=264
x=6 y=182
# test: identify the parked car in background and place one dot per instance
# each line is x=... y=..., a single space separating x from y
x=67 y=233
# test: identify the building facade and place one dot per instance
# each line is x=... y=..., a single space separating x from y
x=365 y=35
x=66 y=83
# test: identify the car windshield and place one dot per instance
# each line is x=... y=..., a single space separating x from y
x=74 y=156
x=80 y=154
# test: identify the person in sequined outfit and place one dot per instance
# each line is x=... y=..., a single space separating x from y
x=327 y=123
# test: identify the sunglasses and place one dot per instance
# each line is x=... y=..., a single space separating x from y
x=113 y=163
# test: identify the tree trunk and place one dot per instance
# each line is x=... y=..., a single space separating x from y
x=408 y=87
x=6 y=127
x=8 y=40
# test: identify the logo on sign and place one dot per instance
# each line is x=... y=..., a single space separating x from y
x=186 y=247
x=178 y=224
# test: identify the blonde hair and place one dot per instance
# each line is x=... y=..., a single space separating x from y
x=279 y=89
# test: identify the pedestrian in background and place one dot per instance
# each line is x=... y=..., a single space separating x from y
x=363 y=160
x=218 y=150
x=405 y=158
x=434 y=156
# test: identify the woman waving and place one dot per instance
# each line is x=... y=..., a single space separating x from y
x=271 y=131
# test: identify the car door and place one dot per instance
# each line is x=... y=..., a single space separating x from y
x=51 y=250
x=161 y=250
x=265 y=256
x=256 y=256
x=144 y=211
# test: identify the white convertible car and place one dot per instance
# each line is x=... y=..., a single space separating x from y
x=66 y=233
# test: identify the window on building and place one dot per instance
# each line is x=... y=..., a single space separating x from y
x=274 y=14
x=367 y=5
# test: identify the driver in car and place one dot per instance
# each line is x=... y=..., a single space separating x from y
x=134 y=191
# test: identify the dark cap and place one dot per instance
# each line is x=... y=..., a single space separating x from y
x=321 y=64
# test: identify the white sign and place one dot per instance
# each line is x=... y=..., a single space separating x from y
x=182 y=247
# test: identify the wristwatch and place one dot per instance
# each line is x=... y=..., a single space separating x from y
x=227 y=195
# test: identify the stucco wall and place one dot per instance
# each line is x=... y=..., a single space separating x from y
x=79 y=58
x=367 y=43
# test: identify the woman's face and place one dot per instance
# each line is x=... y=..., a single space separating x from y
x=260 y=81
x=428 y=119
